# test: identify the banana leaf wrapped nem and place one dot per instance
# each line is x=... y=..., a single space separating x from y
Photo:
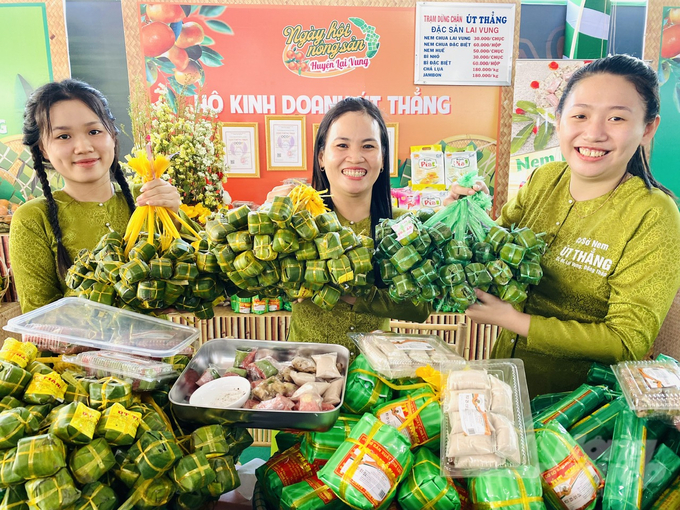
x=310 y=494
x=125 y=469
x=192 y=473
x=429 y=292
x=513 y=292
x=151 y=290
x=118 y=425
x=7 y=475
x=189 y=501
x=348 y=238
x=172 y=293
x=360 y=257
x=108 y=391
x=316 y=271
x=259 y=223
x=153 y=493
x=14 y=424
x=405 y=229
x=109 y=239
x=509 y=488
x=206 y=262
x=456 y=251
x=75 y=424
x=526 y=238
x=367 y=242
x=304 y=224
x=270 y=275
x=483 y=252
x=292 y=270
x=187 y=303
x=108 y=272
x=600 y=374
x=179 y=249
x=207 y=287
x=340 y=270
x=440 y=233
x=242 y=282
x=238 y=439
x=462 y=295
x=404 y=286
x=89 y=462
x=238 y=217
x=405 y=258
x=497 y=237
x=45 y=389
x=387 y=270
x=15 y=498
x=424 y=486
x=477 y=276
x=240 y=241
x=205 y=311
x=9 y=403
x=530 y=272
x=326 y=298
x=285 y=240
x=154 y=454
x=39 y=456
x=248 y=265
x=209 y=440
x=307 y=251
x=512 y=254
x=452 y=274
x=143 y=250
x=329 y=246
x=52 y=492
x=75 y=276
x=102 y=293
x=225 y=257
x=389 y=246
x=134 y=271
x=217 y=230
x=37 y=367
x=424 y=273
x=110 y=254
x=422 y=242
x=262 y=247
x=95 y=496
x=328 y=222
x=281 y=209
x=500 y=272
x=125 y=292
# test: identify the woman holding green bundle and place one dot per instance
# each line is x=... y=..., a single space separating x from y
x=350 y=158
x=612 y=234
x=69 y=129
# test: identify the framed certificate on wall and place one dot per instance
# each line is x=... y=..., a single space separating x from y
x=241 y=149
x=285 y=141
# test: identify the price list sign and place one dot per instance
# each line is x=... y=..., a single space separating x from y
x=464 y=44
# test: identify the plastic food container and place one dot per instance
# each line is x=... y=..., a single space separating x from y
x=72 y=324
x=144 y=373
x=395 y=356
x=486 y=418
x=651 y=388
x=220 y=353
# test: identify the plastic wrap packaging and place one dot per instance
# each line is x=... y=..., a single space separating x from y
x=602 y=375
x=310 y=494
x=625 y=474
x=282 y=470
x=367 y=468
x=508 y=488
x=659 y=474
x=318 y=447
x=670 y=498
x=598 y=425
x=365 y=388
x=424 y=487
x=571 y=480
x=652 y=388
x=418 y=416
x=572 y=408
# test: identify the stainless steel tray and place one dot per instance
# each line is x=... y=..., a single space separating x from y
x=221 y=352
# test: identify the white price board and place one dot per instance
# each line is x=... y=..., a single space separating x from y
x=464 y=44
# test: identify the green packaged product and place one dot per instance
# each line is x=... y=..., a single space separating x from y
x=240 y=241
x=368 y=466
x=500 y=272
x=15 y=424
x=512 y=254
x=340 y=270
x=217 y=230
x=7 y=475
x=39 y=456
x=361 y=259
x=118 y=425
x=477 y=276
x=328 y=245
x=226 y=477
x=669 y=499
x=192 y=472
x=598 y=425
x=108 y=391
x=483 y=252
x=659 y=474
x=238 y=217
x=422 y=242
x=151 y=290
x=310 y=494
x=247 y=265
x=96 y=496
x=405 y=258
x=424 y=274
x=102 y=293
x=89 y=462
x=281 y=209
x=424 y=486
x=292 y=270
x=387 y=270
x=108 y=272
x=75 y=423
x=328 y=222
x=206 y=261
x=440 y=233
x=161 y=268
x=452 y=274
x=281 y=470
x=462 y=295
x=52 y=492
x=389 y=246
x=326 y=298
x=125 y=469
x=153 y=493
x=209 y=440
x=625 y=473
x=599 y=374
x=238 y=439
x=365 y=388
x=348 y=238
x=270 y=275
x=541 y=402
x=316 y=271
x=405 y=229
x=259 y=223
x=304 y=224
x=417 y=416
x=602 y=461
x=497 y=237
x=179 y=249
x=404 y=286
x=262 y=247
x=507 y=488
x=456 y=251
x=288 y=438
x=225 y=257
x=318 y=447
x=76 y=389
x=134 y=271
x=564 y=465
x=154 y=454
x=513 y=292
x=143 y=250
x=578 y=404
x=15 y=498
x=307 y=251
x=185 y=271
x=529 y=272
x=285 y=241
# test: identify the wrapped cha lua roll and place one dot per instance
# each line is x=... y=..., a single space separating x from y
x=625 y=473
x=57 y=491
x=88 y=463
x=368 y=466
x=598 y=426
x=659 y=474
x=283 y=469
x=365 y=388
x=578 y=404
x=425 y=487
x=310 y=494
x=508 y=488
x=318 y=447
x=566 y=468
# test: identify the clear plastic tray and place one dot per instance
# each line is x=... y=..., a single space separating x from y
x=395 y=356
x=71 y=322
x=486 y=418
x=145 y=374
x=651 y=388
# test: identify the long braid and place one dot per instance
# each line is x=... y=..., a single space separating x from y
x=63 y=258
x=119 y=176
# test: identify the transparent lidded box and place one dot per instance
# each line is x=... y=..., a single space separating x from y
x=651 y=387
x=74 y=324
x=486 y=418
x=395 y=356
x=144 y=373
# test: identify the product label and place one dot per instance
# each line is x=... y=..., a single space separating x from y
x=123 y=421
x=574 y=482
x=244 y=307
x=397 y=414
x=273 y=305
x=19 y=353
x=85 y=419
x=412 y=345
x=658 y=377
x=260 y=305
x=403 y=228
x=291 y=467
x=473 y=417
x=48 y=384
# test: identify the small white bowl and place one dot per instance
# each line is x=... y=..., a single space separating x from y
x=223 y=393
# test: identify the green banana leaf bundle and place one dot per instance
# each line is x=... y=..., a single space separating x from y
x=226 y=477
x=508 y=488
x=659 y=474
x=238 y=217
x=240 y=241
x=259 y=223
x=118 y=426
x=189 y=501
x=88 y=463
x=625 y=473
x=304 y=224
x=281 y=209
x=310 y=494
x=39 y=456
x=262 y=247
x=285 y=241
x=424 y=486
x=75 y=423
x=209 y=440
x=8 y=476
x=95 y=496
x=371 y=446
x=76 y=389
x=327 y=297
x=154 y=493
x=365 y=388
x=238 y=439
x=318 y=447
x=328 y=245
x=307 y=251
x=328 y=222
x=10 y=403
x=13 y=380
x=14 y=425
x=281 y=470
x=192 y=473
x=109 y=391
x=125 y=469
x=15 y=498
x=154 y=454
x=52 y=492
